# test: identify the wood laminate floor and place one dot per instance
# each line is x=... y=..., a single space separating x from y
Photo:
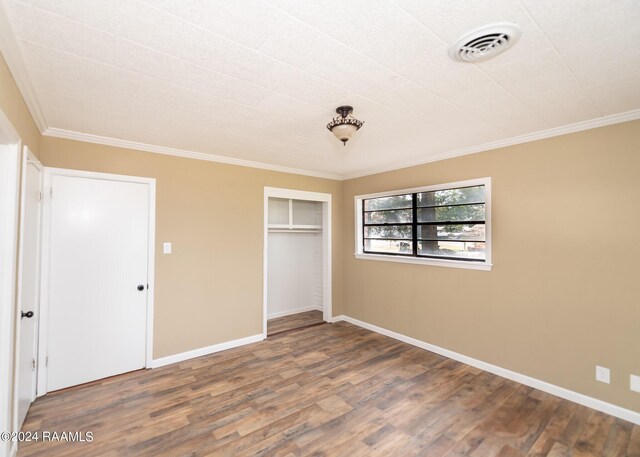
x=328 y=390
x=294 y=321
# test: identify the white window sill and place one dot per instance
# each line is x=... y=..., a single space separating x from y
x=427 y=261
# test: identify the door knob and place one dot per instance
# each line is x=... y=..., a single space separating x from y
x=28 y=314
x=140 y=287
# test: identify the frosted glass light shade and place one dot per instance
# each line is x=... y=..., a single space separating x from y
x=344 y=132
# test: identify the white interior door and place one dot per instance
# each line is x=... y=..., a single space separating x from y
x=29 y=299
x=9 y=192
x=98 y=279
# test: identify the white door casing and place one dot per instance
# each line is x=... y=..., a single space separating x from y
x=98 y=249
x=28 y=284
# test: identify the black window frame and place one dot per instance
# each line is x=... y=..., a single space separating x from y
x=415 y=224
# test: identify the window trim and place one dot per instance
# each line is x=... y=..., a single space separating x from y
x=485 y=265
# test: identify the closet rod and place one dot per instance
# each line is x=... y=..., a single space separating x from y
x=294 y=231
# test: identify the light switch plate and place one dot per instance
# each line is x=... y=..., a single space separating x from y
x=634 y=383
x=166 y=248
x=603 y=374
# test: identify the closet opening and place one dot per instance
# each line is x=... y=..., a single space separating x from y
x=297 y=260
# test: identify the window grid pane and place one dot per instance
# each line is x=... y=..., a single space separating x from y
x=395 y=247
x=388 y=216
x=461 y=250
x=448 y=197
x=389 y=202
x=452 y=232
x=458 y=213
x=388 y=231
x=445 y=224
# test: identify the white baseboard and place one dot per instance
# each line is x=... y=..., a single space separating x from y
x=294 y=311
x=614 y=410
x=205 y=351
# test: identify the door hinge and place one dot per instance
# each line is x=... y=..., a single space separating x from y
x=33 y=364
x=51 y=192
x=39 y=196
x=46 y=361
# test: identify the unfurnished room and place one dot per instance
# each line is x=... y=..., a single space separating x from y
x=334 y=228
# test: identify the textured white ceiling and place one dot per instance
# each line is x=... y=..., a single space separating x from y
x=258 y=80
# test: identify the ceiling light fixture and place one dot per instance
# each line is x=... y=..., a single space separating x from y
x=345 y=125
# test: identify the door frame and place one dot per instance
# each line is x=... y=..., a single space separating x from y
x=10 y=193
x=27 y=157
x=49 y=173
x=327 y=299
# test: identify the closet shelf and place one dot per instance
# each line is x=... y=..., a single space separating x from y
x=286 y=228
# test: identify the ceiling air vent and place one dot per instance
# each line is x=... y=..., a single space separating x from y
x=485 y=42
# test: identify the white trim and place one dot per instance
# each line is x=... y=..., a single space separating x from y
x=585 y=400
x=43 y=328
x=327 y=284
x=13 y=57
x=27 y=157
x=98 y=175
x=44 y=278
x=9 y=205
x=485 y=265
x=265 y=262
x=278 y=192
x=293 y=311
x=447 y=263
x=181 y=357
x=327 y=263
x=526 y=138
x=126 y=144
x=151 y=271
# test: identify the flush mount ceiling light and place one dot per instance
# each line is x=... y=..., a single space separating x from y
x=485 y=42
x=345 y=125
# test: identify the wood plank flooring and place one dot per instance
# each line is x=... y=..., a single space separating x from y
x=328 y=390
x=294 y=321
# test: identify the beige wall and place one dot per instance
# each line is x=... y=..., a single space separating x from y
x=564 y=292
x=209 y=290
x=14 y=107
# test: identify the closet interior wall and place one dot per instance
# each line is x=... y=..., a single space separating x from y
x=294 y=257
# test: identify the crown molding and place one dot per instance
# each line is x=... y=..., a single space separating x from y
x=529 y=137
x=540 y=135
x=13 y=57
x=108 y=141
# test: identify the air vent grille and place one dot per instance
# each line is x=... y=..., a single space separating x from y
x=485 y=42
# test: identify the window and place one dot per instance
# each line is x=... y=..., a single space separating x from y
x=447 y=224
